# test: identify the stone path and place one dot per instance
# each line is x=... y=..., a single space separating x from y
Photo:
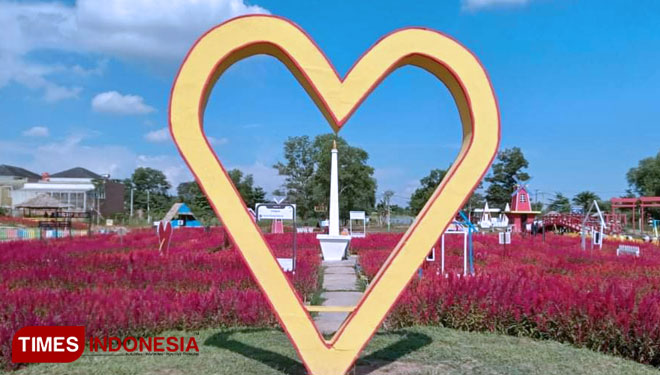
x=339 y=289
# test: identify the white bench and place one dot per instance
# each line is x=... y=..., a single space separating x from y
x=627 y=249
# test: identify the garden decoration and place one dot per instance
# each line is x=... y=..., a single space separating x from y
x=164 y=231
x=337 y=99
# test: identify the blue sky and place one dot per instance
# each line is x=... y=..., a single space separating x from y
x=87 y=83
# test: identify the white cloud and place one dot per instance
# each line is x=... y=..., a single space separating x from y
x=156 y=136
x=37 y=131
x=473 y=5
x=146 y=30
x=117 y=160
x=218 y=141
x=116 y=103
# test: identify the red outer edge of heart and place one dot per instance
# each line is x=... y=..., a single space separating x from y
x=339 y=125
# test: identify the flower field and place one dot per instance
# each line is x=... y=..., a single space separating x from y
x=546 y=290
x=121 y=287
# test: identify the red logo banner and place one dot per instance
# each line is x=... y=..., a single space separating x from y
x=47 y=344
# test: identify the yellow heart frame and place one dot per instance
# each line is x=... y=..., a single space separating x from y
x=440 y=55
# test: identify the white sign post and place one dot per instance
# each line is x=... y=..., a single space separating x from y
x=280 y=211
x=270 y=211
x=504 y=239
x=357 y=215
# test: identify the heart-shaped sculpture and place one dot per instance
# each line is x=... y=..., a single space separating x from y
x=164 y=231
x=440 y=55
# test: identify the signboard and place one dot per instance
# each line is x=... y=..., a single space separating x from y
x=357 y=215
x=597 y=237
x=505 y=238
x=109 y=222
x=286 y=264
x=274 y=211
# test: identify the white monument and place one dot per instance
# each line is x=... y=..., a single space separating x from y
x=333 y=245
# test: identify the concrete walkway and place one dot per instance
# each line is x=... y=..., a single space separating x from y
x=339 y=289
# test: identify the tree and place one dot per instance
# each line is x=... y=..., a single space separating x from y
x=245 y=185
x=384 y=207
x=306 y=168
x=645 y=178
x=191 y=194
x=504 y=173
x=560 y=204
x=584 y=199
x=150 y=190
x=423 y=193
x=298 y=169
x=357 y=187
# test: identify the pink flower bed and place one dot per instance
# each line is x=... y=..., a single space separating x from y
x=546 y=290
x=121 y=289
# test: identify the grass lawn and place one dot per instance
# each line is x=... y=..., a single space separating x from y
x=419 y=350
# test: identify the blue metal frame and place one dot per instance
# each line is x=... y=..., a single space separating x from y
x=471 y=229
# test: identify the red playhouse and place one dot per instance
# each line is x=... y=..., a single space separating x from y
x=520 y=213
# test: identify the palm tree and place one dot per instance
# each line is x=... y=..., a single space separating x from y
x=584 y=199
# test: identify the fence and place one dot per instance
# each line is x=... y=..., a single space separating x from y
x=10 y=234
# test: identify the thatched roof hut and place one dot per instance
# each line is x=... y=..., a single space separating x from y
x=43 y=202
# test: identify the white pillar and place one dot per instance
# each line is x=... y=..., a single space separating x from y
x=334 y=194
x=333 y=245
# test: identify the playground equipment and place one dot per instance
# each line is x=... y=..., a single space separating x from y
x=466 y=228
x=633 y=203
x=596 y=235
x=357 y=216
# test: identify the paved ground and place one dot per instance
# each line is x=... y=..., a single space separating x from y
x=339 y=289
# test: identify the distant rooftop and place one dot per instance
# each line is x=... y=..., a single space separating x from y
x=10 y=170
x=77 y=172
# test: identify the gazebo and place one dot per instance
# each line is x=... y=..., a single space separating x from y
x=43 y=205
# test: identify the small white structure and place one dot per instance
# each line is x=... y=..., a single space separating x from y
x=286 y=264
x=505 y=238
x=488 y=221
x=627 y=249
x=357 y=216
x=334 y=245
x=596 y=233
x=454 y=228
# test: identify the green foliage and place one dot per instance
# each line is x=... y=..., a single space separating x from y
x=560 y=203
x=537 y=206
x=245 y=185
x=476 y=200
x=192 y=195
x=645 y=178
x=584 y=199
x=306 y=168
x=424 y=192
x=152 y=184
x=509 y=167
x=357 y=187
x=298 y=169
